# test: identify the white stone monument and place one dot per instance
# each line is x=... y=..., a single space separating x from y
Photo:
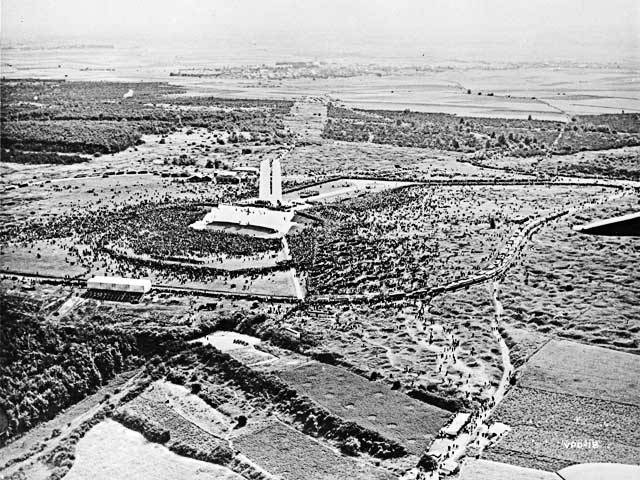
x=270 y=183
x=264 y=189
x=276 y=179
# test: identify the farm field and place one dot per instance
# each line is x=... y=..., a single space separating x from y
x=576 y=378
x=286 y=452
x=410 y=422
x=594 y=470
x=567 y=86
x=112 y=451
x=479 y=469
x=158 y=411
x=573 y=403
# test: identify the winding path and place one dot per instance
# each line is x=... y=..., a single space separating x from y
x=480 y=424
x=506 y=257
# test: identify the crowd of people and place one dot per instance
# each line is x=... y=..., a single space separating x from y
x=143 y=239
x=405 y=239
x=166 y=232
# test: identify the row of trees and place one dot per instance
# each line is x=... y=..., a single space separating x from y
x=69 y=136
x=37 y=158
x=312 y=418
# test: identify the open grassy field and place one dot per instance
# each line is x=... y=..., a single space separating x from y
x=386 y=161
x=307 y=119
x=155 y=407
x=111 y=451
x=42 y=258
x=65 y=196
x=573 y=403
x=587 y=371
x=579 y=287
x=288 y=453
x=619 y=163
x=372 y=405
x=278 y=283
x=594 y=471
x=479 y=469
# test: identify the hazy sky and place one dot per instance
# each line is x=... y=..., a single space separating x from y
x=533 y=23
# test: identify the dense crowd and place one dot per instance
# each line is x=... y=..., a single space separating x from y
x=166 y=232
x=141 y=240
x=413 y=237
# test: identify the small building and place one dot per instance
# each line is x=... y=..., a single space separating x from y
x=227 y=177
x=458 y=423
x=249 y=171
x=119 y=284
x=291 y=333
x=198 y=178
x=450 y=467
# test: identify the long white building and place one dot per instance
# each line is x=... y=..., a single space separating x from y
x=119 y=284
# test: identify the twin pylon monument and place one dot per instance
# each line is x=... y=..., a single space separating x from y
x=255 y=218
x=270 y=186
